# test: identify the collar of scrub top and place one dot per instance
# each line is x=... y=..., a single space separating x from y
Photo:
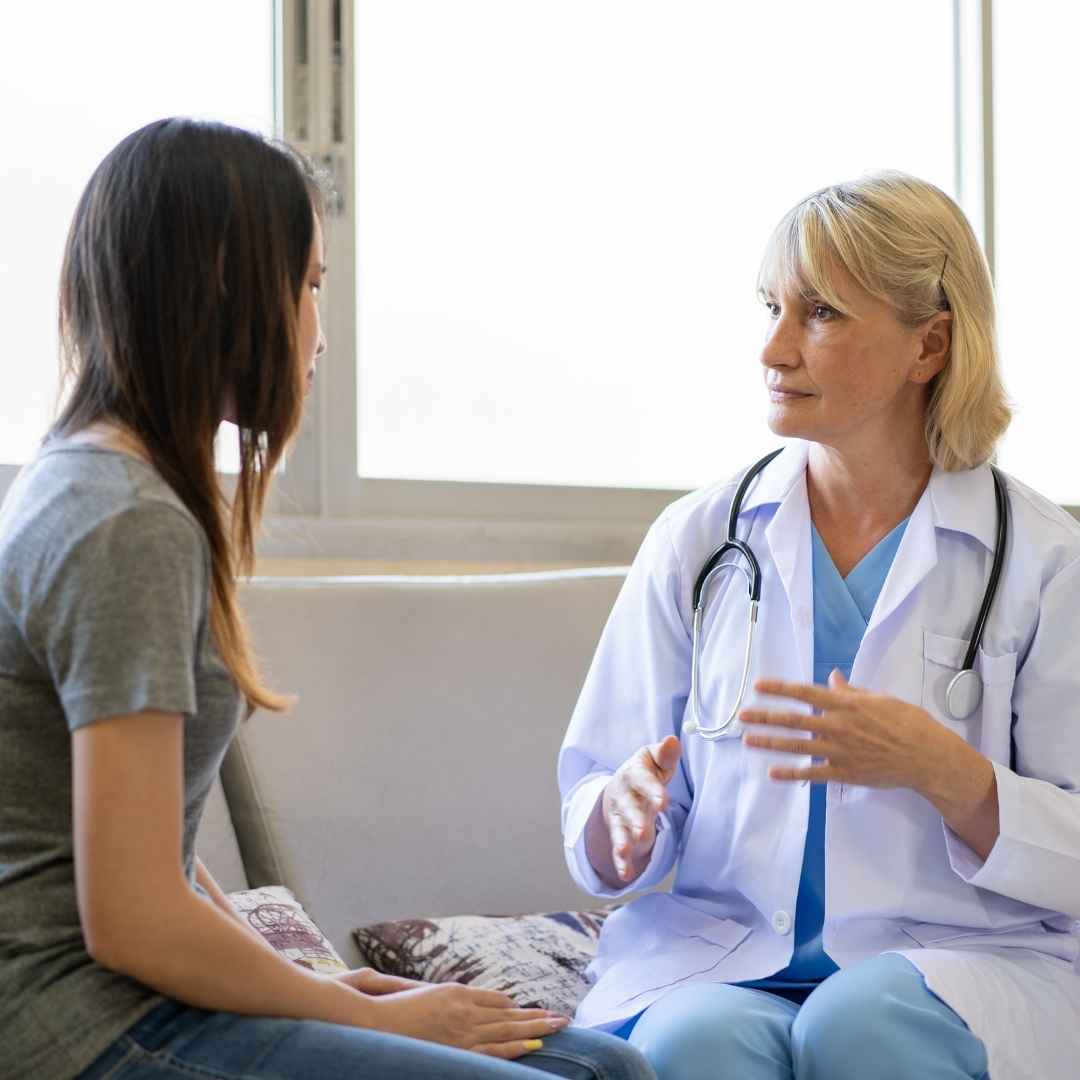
x=958 y=504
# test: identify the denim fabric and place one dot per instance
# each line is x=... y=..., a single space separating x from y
x=174 y=1042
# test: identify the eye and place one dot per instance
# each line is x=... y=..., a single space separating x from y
x=773 y=308
x=822 y=312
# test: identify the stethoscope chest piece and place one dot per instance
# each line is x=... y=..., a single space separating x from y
x=964 y=692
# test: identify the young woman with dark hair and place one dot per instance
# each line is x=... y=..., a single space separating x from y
x=188 y=296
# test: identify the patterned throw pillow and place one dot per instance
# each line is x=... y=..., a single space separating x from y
x=539 y=960
x=279 y=917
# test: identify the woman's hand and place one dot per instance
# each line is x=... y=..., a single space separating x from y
x=861 y=738
x=873 y=740
x=481 y=1020
x=622 y=830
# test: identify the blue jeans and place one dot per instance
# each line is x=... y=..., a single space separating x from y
x=174 y=1041
x=876 y=1019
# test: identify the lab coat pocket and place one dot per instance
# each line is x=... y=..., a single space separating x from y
x=674 y=941
x=932 y=935
x=989 y=727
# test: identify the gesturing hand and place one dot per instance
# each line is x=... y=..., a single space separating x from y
x=631 y=801
x=862 y=738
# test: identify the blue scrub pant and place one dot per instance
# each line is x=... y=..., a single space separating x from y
x=876 y=1019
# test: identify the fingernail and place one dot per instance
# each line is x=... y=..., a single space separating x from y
x=558 y=1022
x=534 y=1044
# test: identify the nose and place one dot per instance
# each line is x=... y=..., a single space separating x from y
x=320 y=348
x=781 y=348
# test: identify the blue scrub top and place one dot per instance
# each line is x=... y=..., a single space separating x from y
x=842 y=609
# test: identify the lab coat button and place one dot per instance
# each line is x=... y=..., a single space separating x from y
x=781 y=922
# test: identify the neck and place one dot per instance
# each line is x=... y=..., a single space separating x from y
x=111 y=436
x=858 y=498
x=863 y=489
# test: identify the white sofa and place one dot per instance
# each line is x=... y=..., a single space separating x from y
x=416 y=773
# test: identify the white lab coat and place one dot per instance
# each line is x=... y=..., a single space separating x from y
x=997 y=940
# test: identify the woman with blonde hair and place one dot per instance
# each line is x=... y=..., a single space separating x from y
x=839 y=695
x=188 y=296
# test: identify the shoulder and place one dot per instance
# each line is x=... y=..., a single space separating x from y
x=1042 y=530
x=92 y=510
x=1046 y=516
x=686 y=532
x=702 y=510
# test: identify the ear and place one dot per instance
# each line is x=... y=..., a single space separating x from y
x=935 y=343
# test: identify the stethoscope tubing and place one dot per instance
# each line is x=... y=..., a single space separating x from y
x=964 y=691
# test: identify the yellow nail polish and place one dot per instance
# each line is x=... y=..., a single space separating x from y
x=534 y=1044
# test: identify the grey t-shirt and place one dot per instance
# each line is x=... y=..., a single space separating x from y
x=104 y=611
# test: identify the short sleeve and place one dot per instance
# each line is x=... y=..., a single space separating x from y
x=118 y=621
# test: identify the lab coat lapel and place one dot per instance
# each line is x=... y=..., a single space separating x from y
x=789 y=539
x=915 y=558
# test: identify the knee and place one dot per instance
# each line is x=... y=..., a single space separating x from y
x=856 y=1017
x=711 y=1031
x=581 y=1052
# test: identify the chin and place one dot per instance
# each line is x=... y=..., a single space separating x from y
x=786 y=426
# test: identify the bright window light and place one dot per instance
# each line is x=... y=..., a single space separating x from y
x=561 y=207
x=76 y=78
x=1037 y=235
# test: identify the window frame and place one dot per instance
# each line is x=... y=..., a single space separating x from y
x=323 y=477
x=319 y=505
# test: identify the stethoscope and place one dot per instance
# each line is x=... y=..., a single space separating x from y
x=965 y=689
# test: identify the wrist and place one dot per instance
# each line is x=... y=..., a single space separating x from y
x=360 y=979
x=343 y=1004
x=956 y=779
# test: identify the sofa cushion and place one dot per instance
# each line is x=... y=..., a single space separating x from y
x=276 y=914
x=539 y=960
x=417 y=771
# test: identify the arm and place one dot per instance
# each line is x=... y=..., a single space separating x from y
x=367 y=980
x=140 y=917
x=217 y=896
x=116 y=617
x=632 y=700
x=621 y=833
x=138 y=913
x=960 y=783
x=1035 y=857
x=1015 y=832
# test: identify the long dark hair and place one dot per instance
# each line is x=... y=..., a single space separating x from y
x=179 y=295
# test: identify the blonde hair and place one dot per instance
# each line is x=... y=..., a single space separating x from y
x=906 y=242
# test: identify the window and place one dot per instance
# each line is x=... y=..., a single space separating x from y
x=560 y=208
x=1037 y=236
x=82 y=76
x=541 y=311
